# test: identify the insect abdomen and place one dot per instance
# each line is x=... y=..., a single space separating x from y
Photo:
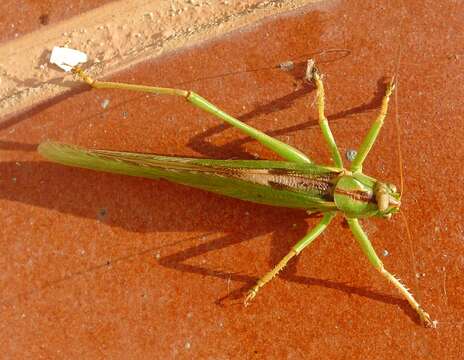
x=267 y=182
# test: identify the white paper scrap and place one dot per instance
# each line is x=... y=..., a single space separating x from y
x=66 y=58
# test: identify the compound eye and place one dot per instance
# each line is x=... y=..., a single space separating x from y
x=382 y=200
x=393 y=187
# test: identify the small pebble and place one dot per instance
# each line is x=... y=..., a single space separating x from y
x=351 y=154
x=105 y=103
x=287 y=65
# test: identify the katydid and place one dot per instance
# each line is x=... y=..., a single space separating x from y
x=296 y=182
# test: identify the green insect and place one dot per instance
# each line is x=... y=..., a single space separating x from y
x=296 y=182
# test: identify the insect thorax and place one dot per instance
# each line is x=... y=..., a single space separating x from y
x=357 y=199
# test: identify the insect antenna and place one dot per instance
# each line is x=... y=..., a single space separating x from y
x=398 y=142
x=400 y=160
x=411 y=250
x=397 y=121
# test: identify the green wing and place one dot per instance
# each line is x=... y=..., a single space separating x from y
x=278 y=183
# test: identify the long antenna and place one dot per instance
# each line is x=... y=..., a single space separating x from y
x=400 y=158
x=397 y=122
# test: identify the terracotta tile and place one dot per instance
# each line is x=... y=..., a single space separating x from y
x=98 y=265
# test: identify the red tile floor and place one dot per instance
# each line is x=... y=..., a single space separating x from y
x=104 y=266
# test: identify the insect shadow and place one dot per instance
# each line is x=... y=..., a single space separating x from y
x=202 y=145
x=283 y=237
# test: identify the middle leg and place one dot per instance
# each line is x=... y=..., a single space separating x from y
x=315 y=76
x=299 y=246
